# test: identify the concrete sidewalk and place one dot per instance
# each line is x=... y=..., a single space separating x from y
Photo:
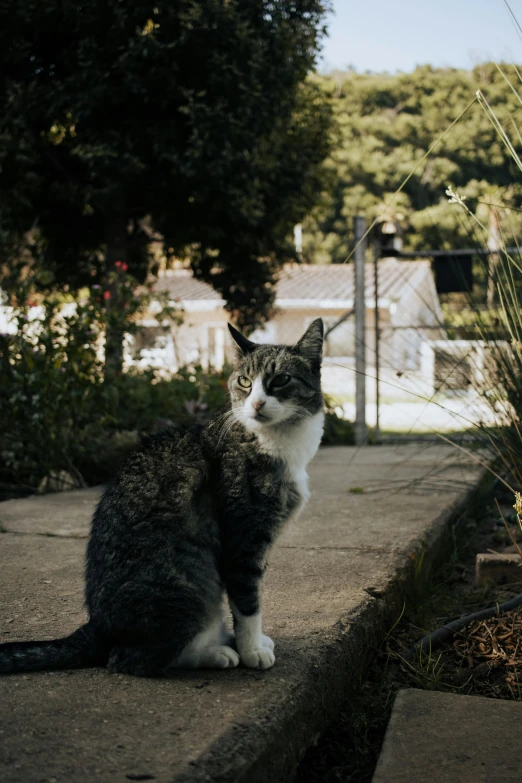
x=449 y=738
x=333 y=587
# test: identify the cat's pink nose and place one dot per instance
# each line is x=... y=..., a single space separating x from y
x=258 y=405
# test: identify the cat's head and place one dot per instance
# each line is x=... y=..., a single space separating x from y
x=272 y=384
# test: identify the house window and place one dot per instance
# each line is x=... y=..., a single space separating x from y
x=150 y=338
x=152 y=346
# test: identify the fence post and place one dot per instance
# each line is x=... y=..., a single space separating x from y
x=359 y=229
x=376 y=257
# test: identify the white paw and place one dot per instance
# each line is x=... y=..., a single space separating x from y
x=266 y=641
x=219 y=657
x=258 y=658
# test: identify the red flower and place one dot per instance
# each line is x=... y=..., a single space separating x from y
x=106 y=295
x=117 y=264
x=124 y=266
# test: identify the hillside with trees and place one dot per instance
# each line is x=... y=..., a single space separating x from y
x=384 y=125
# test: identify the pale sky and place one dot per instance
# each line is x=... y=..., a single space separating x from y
x=382 y=35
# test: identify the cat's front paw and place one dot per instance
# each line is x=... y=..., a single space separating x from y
x=266 y=641
x=259 y=657
x=219 y=657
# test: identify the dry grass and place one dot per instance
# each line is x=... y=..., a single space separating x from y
x=496 y=642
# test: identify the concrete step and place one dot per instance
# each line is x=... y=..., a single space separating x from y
x=448 y=738
x=334 y=586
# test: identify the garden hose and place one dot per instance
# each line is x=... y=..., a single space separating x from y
x=434 y=639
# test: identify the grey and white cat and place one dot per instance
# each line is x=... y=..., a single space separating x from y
x=192 y=515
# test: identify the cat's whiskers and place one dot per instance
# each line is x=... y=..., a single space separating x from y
x=226 y=429
x=222 y=417
x=231 y=415
x=227 y=421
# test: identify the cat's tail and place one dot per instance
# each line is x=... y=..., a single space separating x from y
x=84 y=648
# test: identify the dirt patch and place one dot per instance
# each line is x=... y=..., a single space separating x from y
x=484 y=658
x=495 y=644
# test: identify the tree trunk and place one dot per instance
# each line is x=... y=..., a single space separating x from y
x=115 y=264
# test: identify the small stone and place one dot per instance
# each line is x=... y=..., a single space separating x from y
x=504 y=569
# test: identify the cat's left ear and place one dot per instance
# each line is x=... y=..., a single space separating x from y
x=243 y=343
x=311 y=343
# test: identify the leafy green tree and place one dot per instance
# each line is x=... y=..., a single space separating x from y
x=386 y=123
x=189 y=120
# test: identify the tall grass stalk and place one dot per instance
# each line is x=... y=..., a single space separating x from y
x=500 y=327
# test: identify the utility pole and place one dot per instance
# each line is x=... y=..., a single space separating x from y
x=493 y=247
x=376 y=257
x=359 y=229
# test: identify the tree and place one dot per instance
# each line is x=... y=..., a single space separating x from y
x=385 y=125
x=193 y=118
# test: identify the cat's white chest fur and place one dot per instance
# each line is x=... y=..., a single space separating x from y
x=296 y=447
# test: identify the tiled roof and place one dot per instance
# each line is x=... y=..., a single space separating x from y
x=336 y=281
x=182 y=285
x=310 y=282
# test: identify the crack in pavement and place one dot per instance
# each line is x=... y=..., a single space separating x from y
x=308 y=548
x=43 y=535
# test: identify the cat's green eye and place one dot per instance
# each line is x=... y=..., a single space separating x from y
x=280 y=380
x=244 y=382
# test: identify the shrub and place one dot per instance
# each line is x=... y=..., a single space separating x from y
x=337 y=431
x=62 y=420
x=50 y=390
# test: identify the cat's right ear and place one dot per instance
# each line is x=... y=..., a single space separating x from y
x=243 y=343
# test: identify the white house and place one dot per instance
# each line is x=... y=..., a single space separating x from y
x=408 y=309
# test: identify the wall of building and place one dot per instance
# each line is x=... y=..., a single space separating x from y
x=203 y=338
x=404 y=326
